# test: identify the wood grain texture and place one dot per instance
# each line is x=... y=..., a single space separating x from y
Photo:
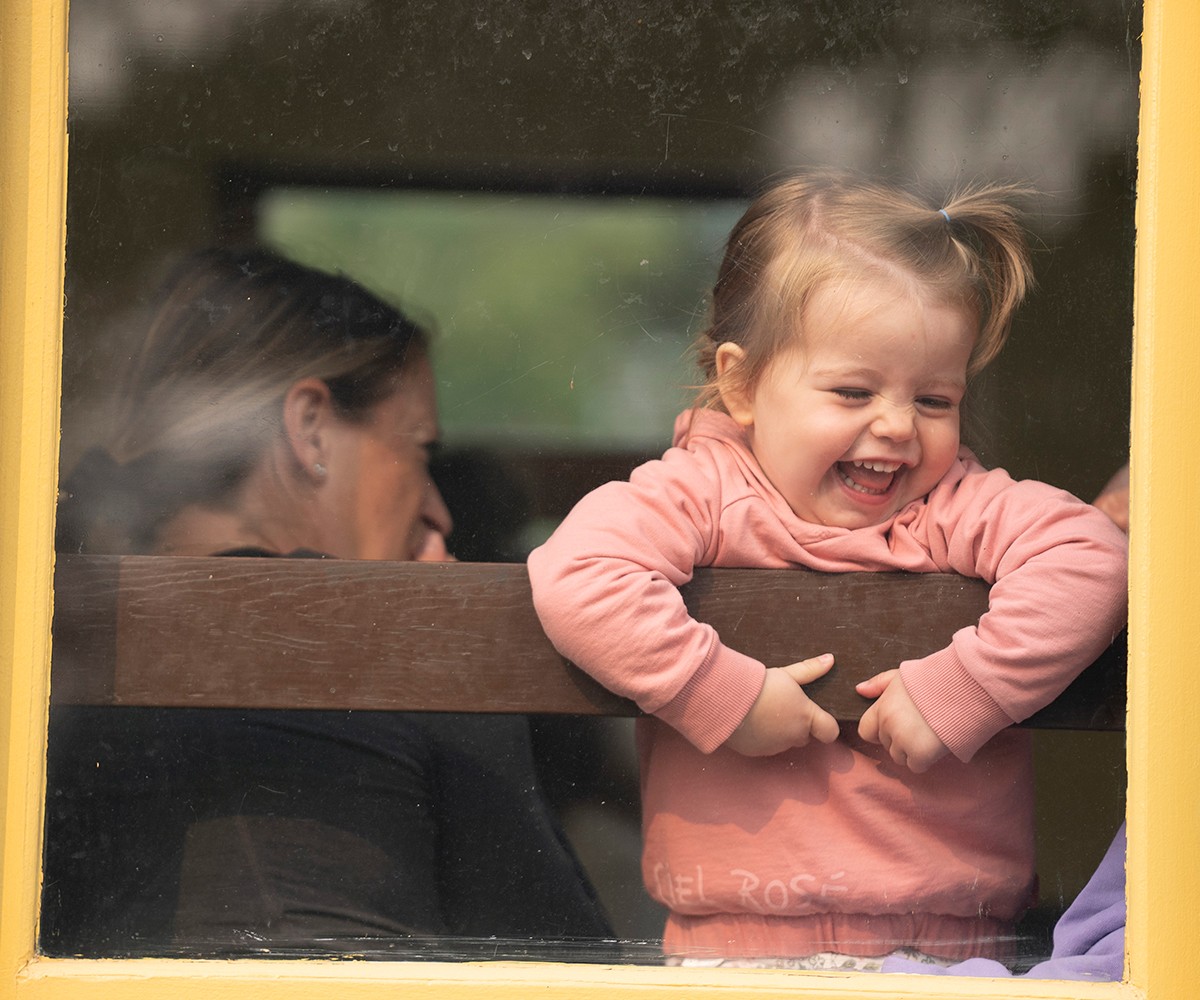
x=459 y=637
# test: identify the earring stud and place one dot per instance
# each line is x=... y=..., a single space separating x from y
x=319 y=469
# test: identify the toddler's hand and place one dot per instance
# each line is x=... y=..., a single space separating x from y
x=896 y=725
x=783 y=716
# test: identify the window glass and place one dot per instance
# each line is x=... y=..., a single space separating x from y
x=619 y=294
x=548 y=187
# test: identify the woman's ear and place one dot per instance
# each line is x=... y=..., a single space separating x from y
x=736 y=395
x=307 y=416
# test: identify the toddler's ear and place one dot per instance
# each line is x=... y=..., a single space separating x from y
x=736 y=395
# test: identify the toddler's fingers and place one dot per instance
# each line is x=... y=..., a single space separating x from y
x=824 y=726
x=873 y=687
x=810 y=669
x=868 y=725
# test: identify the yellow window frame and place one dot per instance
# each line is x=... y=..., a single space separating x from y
x=1164 y=687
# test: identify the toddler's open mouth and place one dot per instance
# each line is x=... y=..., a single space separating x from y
x=872 y=478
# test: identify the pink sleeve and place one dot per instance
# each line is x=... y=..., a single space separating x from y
x=606 y=589
x=1058 y=572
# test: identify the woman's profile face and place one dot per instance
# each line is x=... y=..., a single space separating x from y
x=379 y=500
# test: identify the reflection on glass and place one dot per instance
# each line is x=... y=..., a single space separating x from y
x=433 y=172
x=273 y=412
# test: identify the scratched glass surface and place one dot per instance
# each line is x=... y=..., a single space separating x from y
x=548 y=184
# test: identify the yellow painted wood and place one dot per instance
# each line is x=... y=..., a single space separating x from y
x=507 y=981
x=1164 y=761
x=32 y=204
x=1164 y=799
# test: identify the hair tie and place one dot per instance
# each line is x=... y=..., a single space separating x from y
x=944 y=214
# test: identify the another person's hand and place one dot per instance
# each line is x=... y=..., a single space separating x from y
x=783 y=716
x=1114 y=498
x=895 y=724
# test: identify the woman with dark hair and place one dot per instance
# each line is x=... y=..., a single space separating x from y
x=277 y=411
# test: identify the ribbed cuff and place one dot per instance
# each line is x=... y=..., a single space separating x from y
x=954 y=704
x=716 y=698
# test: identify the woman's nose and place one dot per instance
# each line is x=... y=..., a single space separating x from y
x=434 y=510
x=433 y=548
x=436 y=517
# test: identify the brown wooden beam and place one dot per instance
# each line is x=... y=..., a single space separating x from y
x=463 y=637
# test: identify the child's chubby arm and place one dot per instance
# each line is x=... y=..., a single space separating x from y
x=605 y=586
x=1057 y=567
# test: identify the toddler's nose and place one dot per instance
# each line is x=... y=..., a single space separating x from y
x=894 y=421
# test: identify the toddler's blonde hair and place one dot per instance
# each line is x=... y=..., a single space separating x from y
x=972 y=250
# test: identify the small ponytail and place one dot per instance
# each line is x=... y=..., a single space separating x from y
x=989 y=235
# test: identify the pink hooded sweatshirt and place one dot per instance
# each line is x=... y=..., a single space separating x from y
x=830 y=848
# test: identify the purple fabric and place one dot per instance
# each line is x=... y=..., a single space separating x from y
x=1089 y=940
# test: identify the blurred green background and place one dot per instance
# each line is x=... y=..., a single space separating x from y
x=561 y=320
